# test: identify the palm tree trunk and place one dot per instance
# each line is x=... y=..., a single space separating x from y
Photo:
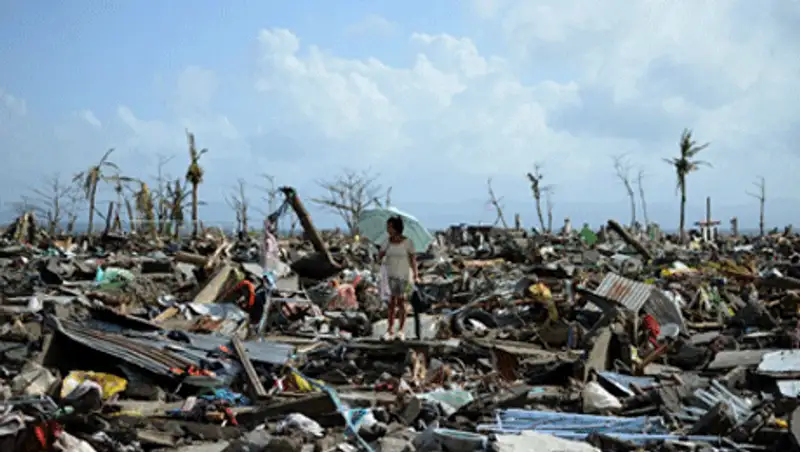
x=683 y=209
x=132 y=224
x=92 y=196
x=195 y=224
x=162 y=218
x=633 y=207
x=71 y=224
x=644 y=210
x=539 y=214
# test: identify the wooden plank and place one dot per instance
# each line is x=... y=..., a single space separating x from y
x=257 y=390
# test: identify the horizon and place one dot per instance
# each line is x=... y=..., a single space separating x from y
x=432 y=99
x=256 y=226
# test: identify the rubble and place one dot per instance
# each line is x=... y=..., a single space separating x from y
x=614 y=340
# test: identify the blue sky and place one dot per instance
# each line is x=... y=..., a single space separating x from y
x=436 y=97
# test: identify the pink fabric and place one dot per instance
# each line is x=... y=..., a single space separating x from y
x=271 y=250
x=345 y=298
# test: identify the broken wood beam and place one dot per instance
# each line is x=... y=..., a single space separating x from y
x=191 y=258
x=616 y=227
x=213 y=289
x=213 y=260
x=308 y=226
x=254 y=385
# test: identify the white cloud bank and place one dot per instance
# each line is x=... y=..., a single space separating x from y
x=582 y=81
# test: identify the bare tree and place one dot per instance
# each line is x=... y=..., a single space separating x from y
x=497 y=204
x=623 y=170
x=25 y=205
x=239 y=203
x=271 y=196
x=761 y=196
x=548 y=197
x=50 y=201
x=640 y=185
x=271 y=192
x=538 y=190
x=348 y=195
x=387 y=199
x=74 y=205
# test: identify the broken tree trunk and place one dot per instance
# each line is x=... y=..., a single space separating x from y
x=308 y=226
x=109 y=218
x=616 y=227
x=24 y=229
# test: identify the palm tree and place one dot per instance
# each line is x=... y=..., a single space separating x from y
x=120 y=182
x=684 y=164
x=538 y=189
x=146 y=209
x=194 y=174
x=176 y=195
x=89 y=179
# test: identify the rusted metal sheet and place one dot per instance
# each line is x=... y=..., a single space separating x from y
x=628 y=293
x=506 y=364
x=636 y=296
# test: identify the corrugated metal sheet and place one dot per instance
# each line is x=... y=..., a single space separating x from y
x=262 y=352
x=630 y=294
x=624 y=382
x=664 y=309
x=635 y=296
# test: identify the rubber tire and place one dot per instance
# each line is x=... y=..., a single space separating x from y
x=459 y=322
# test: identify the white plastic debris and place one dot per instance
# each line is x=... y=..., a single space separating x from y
x=543 y=443
x=297 y=422
x=596 y=399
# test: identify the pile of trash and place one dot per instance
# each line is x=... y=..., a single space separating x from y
x=612 y=340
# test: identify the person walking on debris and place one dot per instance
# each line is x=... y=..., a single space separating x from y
x=400 y=260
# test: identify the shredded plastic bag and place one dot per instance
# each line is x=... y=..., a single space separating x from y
x=113 y=277
x=297 y=422
x=596 y=399
x=110 y=385
x=540 y=292
x=302 y=384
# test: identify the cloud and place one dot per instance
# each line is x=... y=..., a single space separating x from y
x=11 y=106
x=372 y=24
x=88 y=116
x=487 y=9
x=582 y=81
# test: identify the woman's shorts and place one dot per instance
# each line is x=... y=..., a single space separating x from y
x=400 y=288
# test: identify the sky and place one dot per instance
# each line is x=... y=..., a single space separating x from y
x=435 y=98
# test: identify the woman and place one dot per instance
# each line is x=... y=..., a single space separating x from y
x=401 y=269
